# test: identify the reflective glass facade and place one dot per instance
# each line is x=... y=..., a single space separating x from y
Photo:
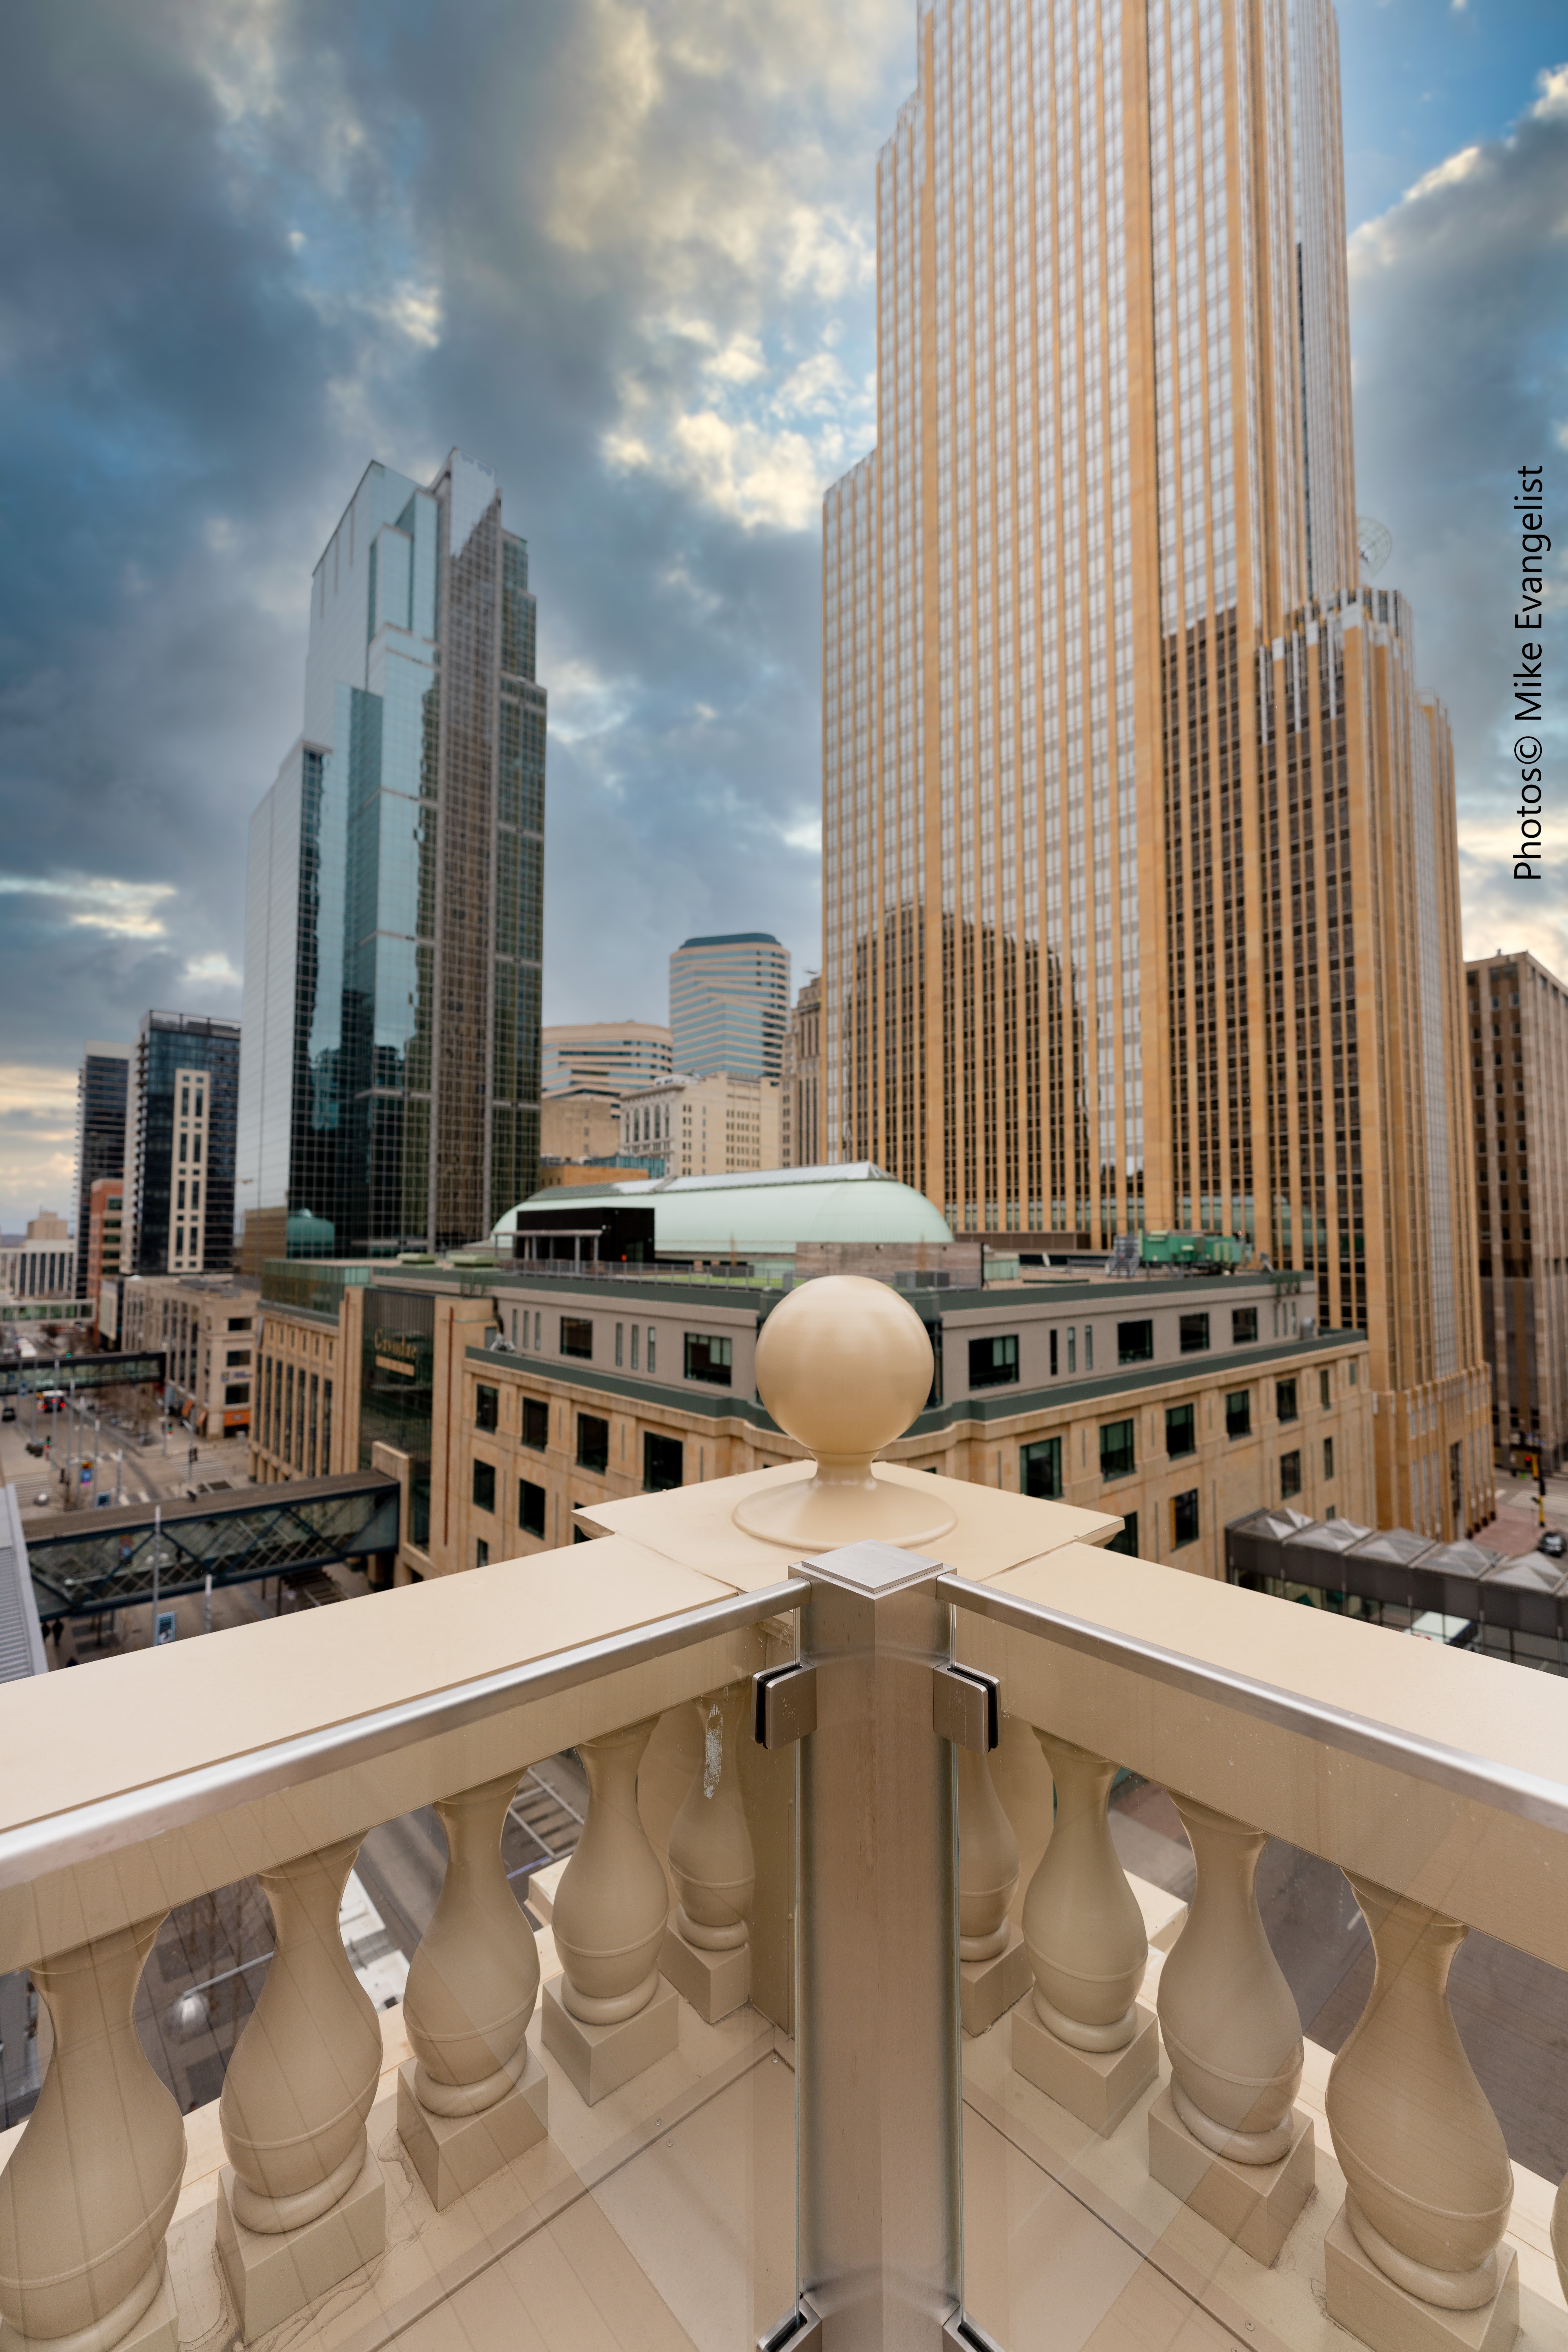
x=101 y=1102
x=395 y=889
x=729 y=1005
x=184 y=1102
x=1141 y=880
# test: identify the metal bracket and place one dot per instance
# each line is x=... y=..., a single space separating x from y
x=967 y=1708
x=960 y=2335
x=784 y=1704
x=800 y=2331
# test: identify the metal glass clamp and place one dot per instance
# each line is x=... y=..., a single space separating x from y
x=799 y=2331
x=784 y=1704
x=967 y=1708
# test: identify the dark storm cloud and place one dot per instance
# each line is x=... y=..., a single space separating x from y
x=255 y=245
x=1459 y=316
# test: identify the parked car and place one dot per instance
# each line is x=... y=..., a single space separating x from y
x=1554 y=1543
x=7 y=1412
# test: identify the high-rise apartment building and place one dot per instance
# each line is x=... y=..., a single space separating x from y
x=183 y=1098
x=1140 y=884
x=394 y=916
x=1519 y=1093
x=802 y=1098
x=729 y=1004
x=607 y=1057
x=100 y=1095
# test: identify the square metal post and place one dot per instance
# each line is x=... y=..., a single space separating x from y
x=878 y=2050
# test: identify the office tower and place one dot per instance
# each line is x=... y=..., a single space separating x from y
x=100 y=1136
x=607 y=1056
x=1140 y=883
x=719 y=1125
x=390 y=1092
x=184 y=1095
x=1518 y=1094
x=729 y=1004
x=802 y=1119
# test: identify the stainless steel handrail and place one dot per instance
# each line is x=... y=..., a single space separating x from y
x=1503 y=1787
x=58 y=1841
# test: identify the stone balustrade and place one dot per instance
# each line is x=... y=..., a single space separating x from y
x=597 y=1649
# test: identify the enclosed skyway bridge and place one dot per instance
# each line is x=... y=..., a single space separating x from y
x=83 y=1562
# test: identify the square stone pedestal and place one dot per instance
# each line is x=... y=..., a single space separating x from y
x=1384 y=2316
x=1256 y=2206
x=452 y=2154
x=271 y=2278
x=157 y=2330
x=987 y=1987
x=1098 y=2087
x=713 y=1982
x=597 y=2059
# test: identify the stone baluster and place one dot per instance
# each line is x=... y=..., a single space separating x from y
x=464 y=2104
x=1081 y=1921
x=710 y=1857
x=612 y=1908
x=705 y=1952
x=1229 y=2020
x=987 y=1861
x=300 y=2085
x=1087 y=1949
x=87 y=2196
x=1560 y=2236
x=1234 y=2037
x=1428 y=2183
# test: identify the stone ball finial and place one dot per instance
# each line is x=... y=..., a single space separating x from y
x=844 y=1364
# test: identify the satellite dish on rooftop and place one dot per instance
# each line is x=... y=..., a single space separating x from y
x=1376 y=543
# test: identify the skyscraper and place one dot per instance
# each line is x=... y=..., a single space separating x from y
x=390 y=1089
x=1140 y=885
x=729 y=1004
x=184 y=1094
x=100 y=1136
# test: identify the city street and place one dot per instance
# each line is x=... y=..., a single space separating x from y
x=158 y=1471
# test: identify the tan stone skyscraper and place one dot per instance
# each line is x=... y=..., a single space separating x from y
x=1140 y=887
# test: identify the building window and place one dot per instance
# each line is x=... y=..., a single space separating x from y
x=577 y=1336
x=1116 y=1454
x=237 y=1394
x=1243 y=1326
x=1053 y=1355
x=636 y=1334
x=1238 y=1413
x=487 y=1407
x=1181 y=1429
x=1089 y=1347
x=484 y=1485
x=1195 y=1334
x=1072 y=1348
x=1040 y=1469
x=650 y=1363
x=592 y=1441
x=1285 y=1400
x=530 y=1507
x=237 y=1356
x=1183 y=1518
x=1328 y=1458
x=1289 y=1475
x=535 y=1423
x=620 y=1340
x=326 y=1428
x=708 y=1359
x=1353 y=1373
x=481 y=1553
x=994 y=1361
x=1136 y=1342
x=1127 y=1540
x=1325 y=1389
x=663 y=1462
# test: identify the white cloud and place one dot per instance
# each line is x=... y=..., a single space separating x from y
x=127 y=911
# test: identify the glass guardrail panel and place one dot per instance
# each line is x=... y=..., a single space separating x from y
x=1218 y=2088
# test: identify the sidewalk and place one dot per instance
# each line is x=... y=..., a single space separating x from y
x=147 y=1474
x=1516 y=1528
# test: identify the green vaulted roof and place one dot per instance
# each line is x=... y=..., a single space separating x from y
x=765 y=1213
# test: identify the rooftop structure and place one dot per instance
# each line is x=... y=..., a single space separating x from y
x=769 y=1214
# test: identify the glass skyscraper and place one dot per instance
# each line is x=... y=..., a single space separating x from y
x=101 y=1102
x=182 y=1107
x=1139 y=868
x=729 y=1005
x=389 y=1092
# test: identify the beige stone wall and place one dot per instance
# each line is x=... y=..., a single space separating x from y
x=308 y=1348
x=580 y=1125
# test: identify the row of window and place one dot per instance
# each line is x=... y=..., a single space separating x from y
x=663 y=1465
x=1040 y=1463
x=295 y=1423
x=707 y=1357
x=993 y=1360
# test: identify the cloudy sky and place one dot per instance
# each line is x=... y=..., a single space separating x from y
x=623 y=250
